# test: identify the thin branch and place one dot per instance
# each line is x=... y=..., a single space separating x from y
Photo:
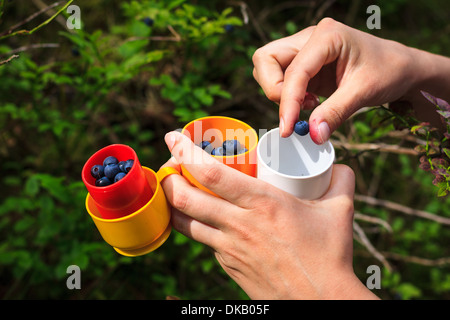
x=34 y=15
x=176 y=37
x=321 y=11
x=34 y=46
x=2 y=8
x=9 y=59
x=440 y=262
x=401 y=208
x=250 y=16
x=362 y=238
x=375 y=220
x=273 y=9
x=29 y=32
x=60 y=19
x=380 y=147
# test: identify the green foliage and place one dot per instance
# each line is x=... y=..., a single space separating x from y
x=119 y=80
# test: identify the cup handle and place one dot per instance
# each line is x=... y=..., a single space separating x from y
x=166 y=171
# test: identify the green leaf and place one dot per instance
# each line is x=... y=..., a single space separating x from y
x=445 y=114
x=409 y=291
x=443 y=191
x=32 y=186
x=24 y=224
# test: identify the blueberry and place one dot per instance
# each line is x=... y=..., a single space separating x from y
x=75 y=52
x=301 y=128
x=97 y=171
x=243 y=150
x=119 y=176
x=122 y=166
x=110 y=160
x=102 y=182
x=231 y=147
x=111 y=171
x=217 y=151
x=128 y=165
x=229 y=28
x=148 y=21
x=205 y=144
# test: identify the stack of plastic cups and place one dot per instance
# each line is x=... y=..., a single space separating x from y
x=217 y=129
x=133 y=214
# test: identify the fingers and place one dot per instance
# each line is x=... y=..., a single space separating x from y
x=196 y=203
x=228 y=183
x=342 y=183
x=328 y=116
x=323 y=47
x=195 y=229
x=271 y=60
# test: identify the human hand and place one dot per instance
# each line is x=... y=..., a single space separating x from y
x=352 y=68
x=274 y=245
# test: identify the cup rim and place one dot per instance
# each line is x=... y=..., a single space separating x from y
x=228 y=118
x=260 y=162
x=131 y=215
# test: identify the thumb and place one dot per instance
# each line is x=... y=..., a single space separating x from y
x=328 y=116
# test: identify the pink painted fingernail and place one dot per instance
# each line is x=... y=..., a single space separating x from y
x=170 y=139
x=324 y=131
x=281 y=126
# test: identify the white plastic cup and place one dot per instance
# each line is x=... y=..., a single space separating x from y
x=295 y=164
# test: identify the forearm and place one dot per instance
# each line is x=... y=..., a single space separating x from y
x=432 y=75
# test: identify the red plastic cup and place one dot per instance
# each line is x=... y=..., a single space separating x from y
x=123 y=197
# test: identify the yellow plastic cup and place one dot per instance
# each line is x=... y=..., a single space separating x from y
x=142 y=231
x=217 y=129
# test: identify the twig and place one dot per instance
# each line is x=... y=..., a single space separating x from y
x=9 y=59
x=362 y=238
x=273 y=9
x=321 y=11
x=2 y=8
x=363 y=217
x=376 y=174
x=418 y=260
x=176 y=37
x=249 y=14
x=34 y=46
x=401 y=208
x=381 y=147
x=34 y=15
x=29 y=32
x=61 y=20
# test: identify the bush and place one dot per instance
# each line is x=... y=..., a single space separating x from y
x=138 y=69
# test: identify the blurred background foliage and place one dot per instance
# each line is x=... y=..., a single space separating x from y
x=138 y=69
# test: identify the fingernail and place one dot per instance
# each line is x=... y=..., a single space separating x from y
x=324 y=131
x=281 y=126
x=170 y=139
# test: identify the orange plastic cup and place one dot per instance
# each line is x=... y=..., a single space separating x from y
x=217 y=129
x=142 y=231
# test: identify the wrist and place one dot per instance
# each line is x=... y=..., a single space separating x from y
x=430 y=73
x=349 y=287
